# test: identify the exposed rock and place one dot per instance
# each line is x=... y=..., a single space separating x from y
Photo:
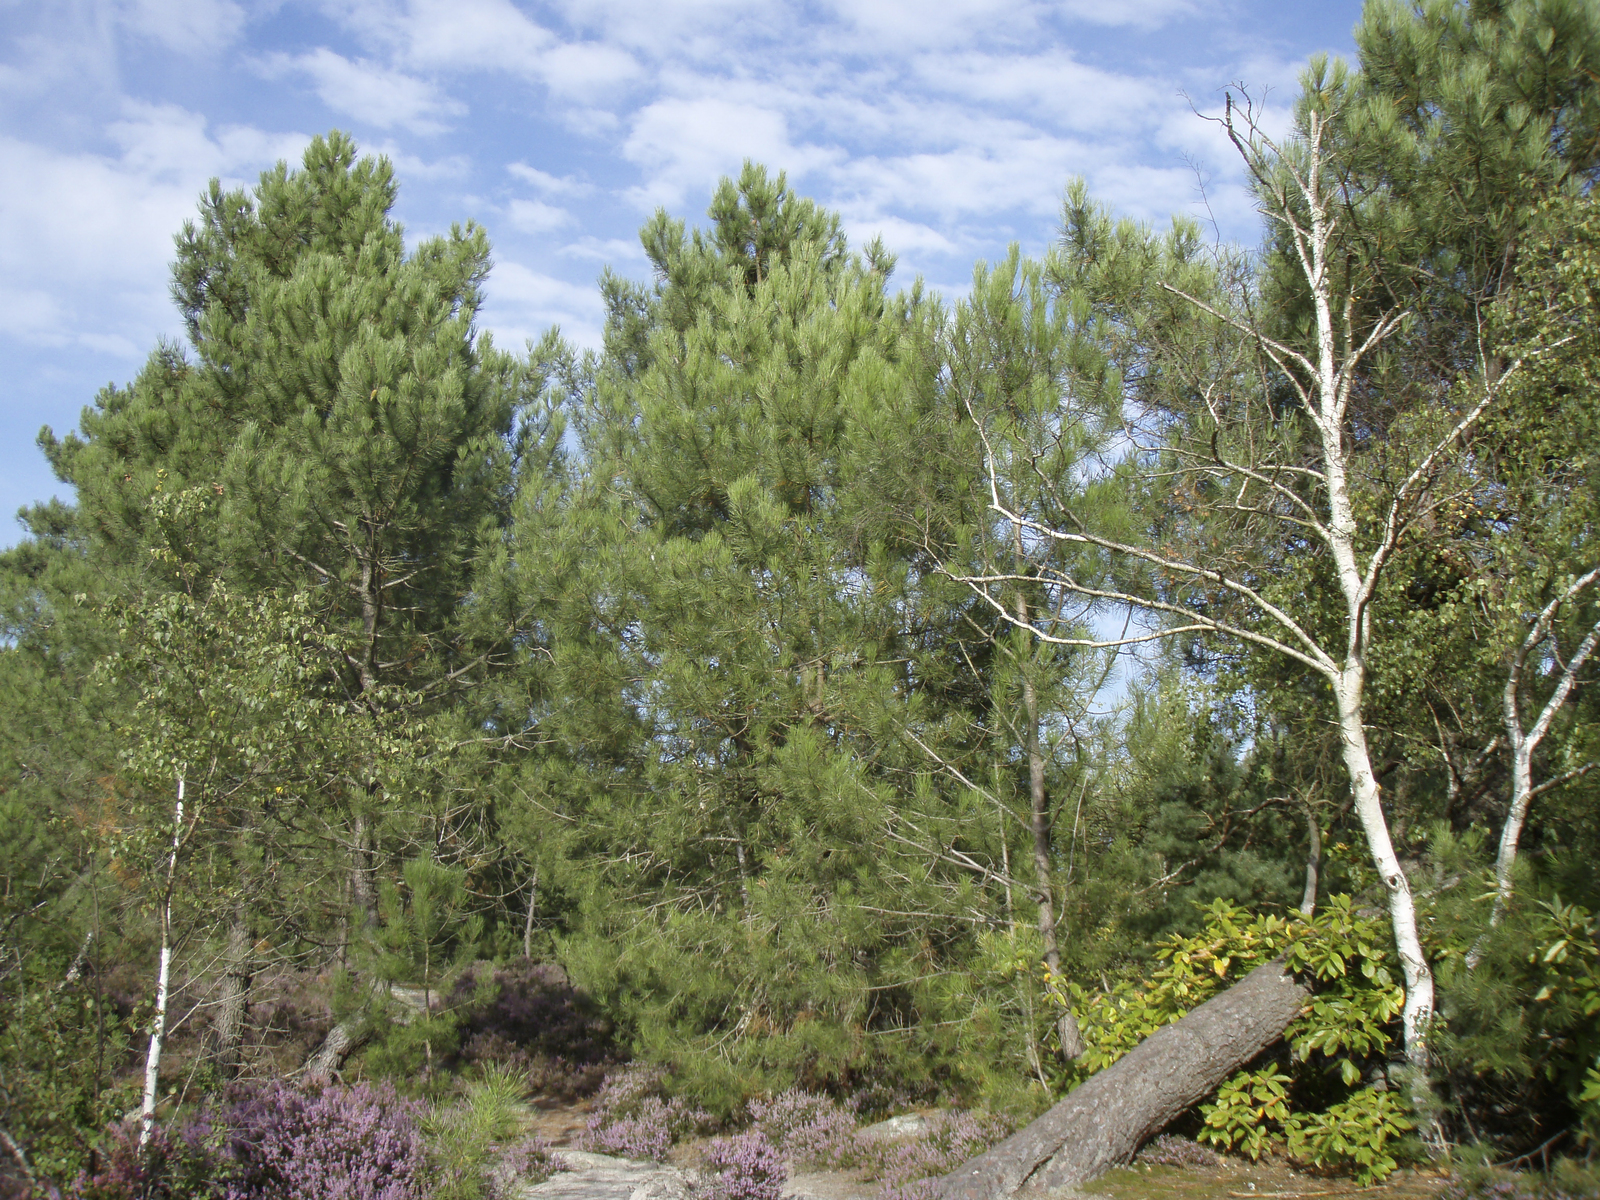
x=581 y=1175
x=905 y=1125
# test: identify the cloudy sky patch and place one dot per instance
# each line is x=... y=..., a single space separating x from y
x=947 y=127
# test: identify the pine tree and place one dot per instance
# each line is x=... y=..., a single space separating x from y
x=739 y=637
x=348 y=437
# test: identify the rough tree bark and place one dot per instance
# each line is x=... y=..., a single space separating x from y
x=327 y=1058
x=238 y=972
x=1072 y=1046
x=1103 y=1123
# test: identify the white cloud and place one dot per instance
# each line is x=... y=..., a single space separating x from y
x=28 y=314
x=369 y=92
x=899 y=235
x=167 y=143
x=1063 y=92
x=534 y=216
x=685 y=144
x=521 y=303
x=1141 y=14
x=605 y=249
x=411 y=167
x=591 y=123
x=953 y=22
x=918 y=23
x=93 y=232
x=471 y=36
x=187 y=26
x=586 y=70
x=548 y=184
x=1024 y=171
x=685 y=30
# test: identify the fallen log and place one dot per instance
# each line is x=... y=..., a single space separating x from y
x=1105 y=1121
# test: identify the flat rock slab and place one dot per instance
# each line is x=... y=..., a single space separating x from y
x=904 y=1126
x=830 y=1185
x=586 y=1176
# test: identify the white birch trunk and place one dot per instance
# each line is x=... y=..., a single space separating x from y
x=1305 y=199
x=1358 y=586
x=158 y=1023
x=1510 y=832
x=1402 y=908
x=1525 y=742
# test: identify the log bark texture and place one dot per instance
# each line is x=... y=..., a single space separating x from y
x=324 y=1063
x=1105 y=1121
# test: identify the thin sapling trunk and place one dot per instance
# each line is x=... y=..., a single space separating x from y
x=158 y=1022
x=1525 y=742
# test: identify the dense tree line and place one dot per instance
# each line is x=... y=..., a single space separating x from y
x=839 y=683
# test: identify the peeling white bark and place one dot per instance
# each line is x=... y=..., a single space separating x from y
x=158 y=1022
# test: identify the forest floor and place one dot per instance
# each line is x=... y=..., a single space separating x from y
x=560 y=1124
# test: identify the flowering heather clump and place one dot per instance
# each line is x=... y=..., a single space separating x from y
x=809 y=1129
x=631 y=1118
x=361 y=1143
x=911 y=1170
x=530 y=1159
x=744 y=1167
x=1170 y=1151
x=271 y=1142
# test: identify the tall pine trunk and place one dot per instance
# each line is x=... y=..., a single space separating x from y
x=233 y=1002
x=532 y=914
x=1072 y=1046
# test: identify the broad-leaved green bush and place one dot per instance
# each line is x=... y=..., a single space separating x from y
x=1312 y=1101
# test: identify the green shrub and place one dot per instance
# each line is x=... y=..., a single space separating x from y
x=465 y=1138
x=1354 y=1135
x=60 y=1048
x=1310 y=1103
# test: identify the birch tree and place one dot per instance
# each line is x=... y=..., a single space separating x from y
x=1280 y=479
x=158 y=1021
x=358 y=432
x=237 y=700
x=1549 y=556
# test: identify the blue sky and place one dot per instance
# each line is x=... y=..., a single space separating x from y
x=950 y=128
